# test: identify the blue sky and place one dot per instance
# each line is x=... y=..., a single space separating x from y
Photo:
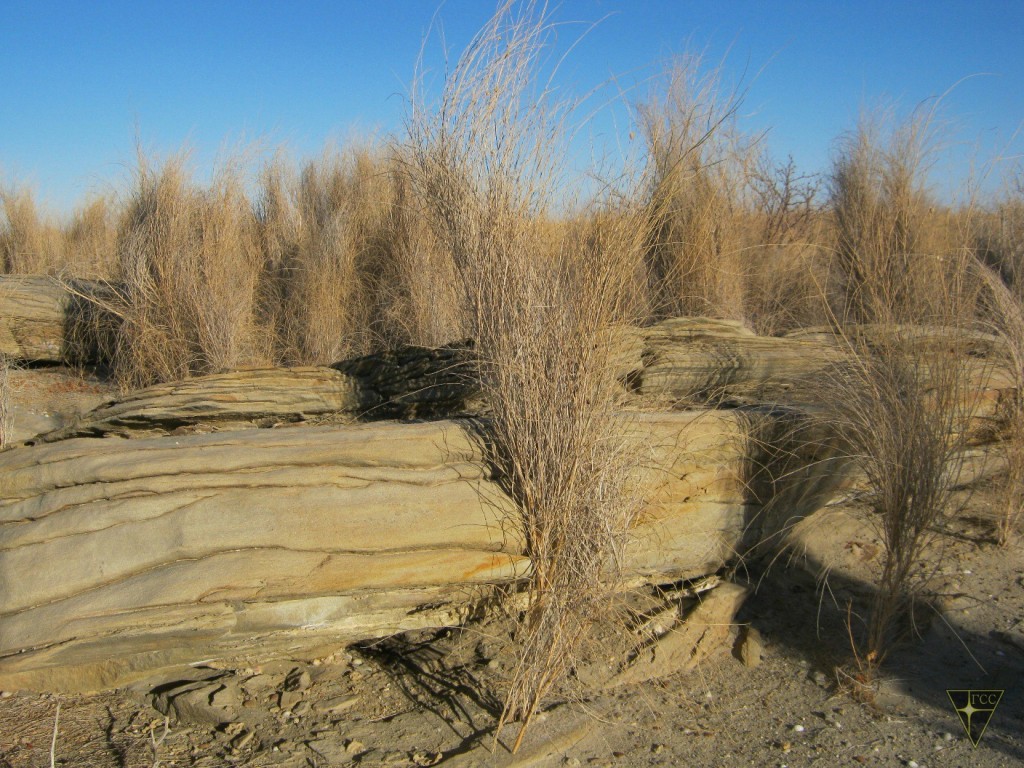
x=83 y=80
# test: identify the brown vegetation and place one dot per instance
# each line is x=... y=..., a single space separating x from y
x=461 y=227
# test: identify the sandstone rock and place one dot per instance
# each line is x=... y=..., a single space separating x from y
x=32 y=318
x=47 y=320
x=175 y=549
x=704 y=631
x=750 y=647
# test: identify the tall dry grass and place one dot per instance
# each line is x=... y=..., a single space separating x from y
x=699 y=166
x=900 y=408
x=1005 y=316
x=34 y=242
x=890 y=236
x=486 y=158
x=188 y=269
x=902 y=404
x=783 y=266
x=316 y=226
x=349 y=265
x=30 y=239
x=90 y=240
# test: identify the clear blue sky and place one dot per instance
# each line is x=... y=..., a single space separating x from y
x=80 y=80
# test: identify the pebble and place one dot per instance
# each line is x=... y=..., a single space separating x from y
x=354 y=747
x=947 y=736
x=912 y=764
x=242 y=740
x=798 y=728
x=297 y=680
x=6 y=694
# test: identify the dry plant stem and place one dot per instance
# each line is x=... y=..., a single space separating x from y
x=5 y=401
x=486 y=161
x=53 y=742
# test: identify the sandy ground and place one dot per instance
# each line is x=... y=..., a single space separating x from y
x=422 y=699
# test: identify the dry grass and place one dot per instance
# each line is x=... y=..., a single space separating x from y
x=1006 y=318
x=699 y=166
x=901 y=408
x=30 y=240
x=315 y=227
x=784 y=271
x=889 y=237
x=485 y=160
x=188 y=266
x=90 y=240
x=903 y=403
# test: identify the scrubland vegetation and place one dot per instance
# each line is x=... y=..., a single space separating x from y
x=462 y=227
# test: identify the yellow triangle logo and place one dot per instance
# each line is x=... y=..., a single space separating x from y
x=975 y=709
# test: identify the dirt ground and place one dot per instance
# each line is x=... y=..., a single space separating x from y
x=422 y=699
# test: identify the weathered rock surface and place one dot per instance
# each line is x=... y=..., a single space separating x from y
x=32 y=316
x=45 y=320
x=679 y=361
x=117 y=557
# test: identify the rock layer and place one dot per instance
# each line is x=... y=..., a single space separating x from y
x=117 y=556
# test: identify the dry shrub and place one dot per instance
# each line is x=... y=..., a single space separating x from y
x=90 y=240
x=903 y=402
x=188 y=264
x=485 y=159
x=889 y=240
x=784 y=270
x=901 y=409
x=30 y=241
x=699 y=163
x=1005 y=316
x=346 y=262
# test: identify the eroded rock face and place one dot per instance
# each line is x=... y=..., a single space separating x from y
x=43 y=319
x=32 y=317
x=118 y=557
x=220 y=531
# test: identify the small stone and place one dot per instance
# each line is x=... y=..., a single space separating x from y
x=233 y=729
x=657 y=749
x=288 y=699
x=6 y=694
x=911 y=764
x=426 y=758
x=947 y=736
x=336 y=705
x=297 y=680
x=751 y=647
x=300 y=709
x=354 y=747
x=571 y=762
x=242 y=740
x=798 y=728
